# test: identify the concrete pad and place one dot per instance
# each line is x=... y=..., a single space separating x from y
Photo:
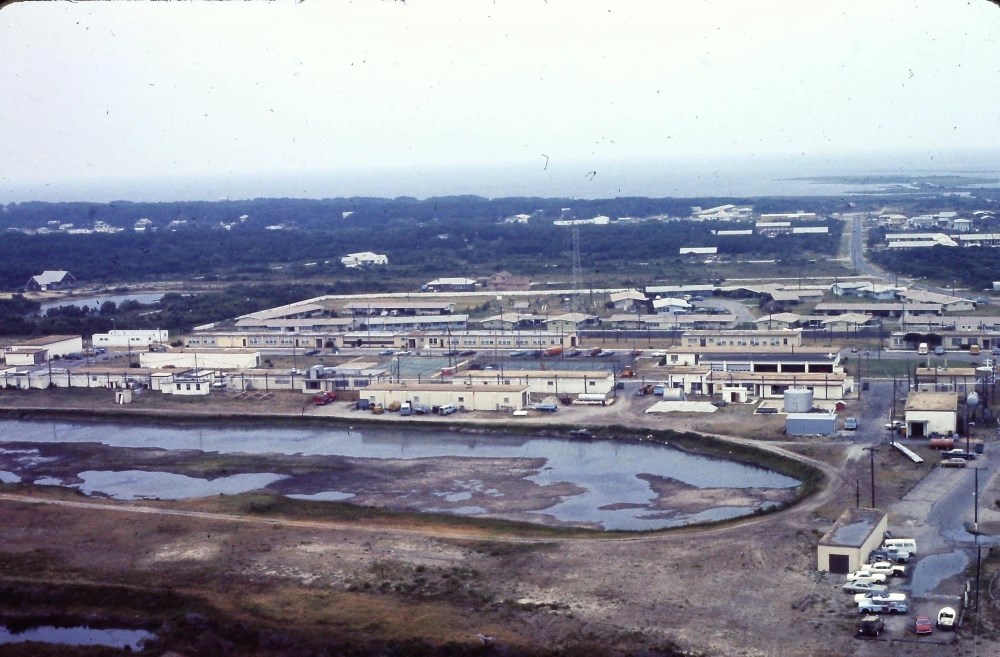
x=681 y=407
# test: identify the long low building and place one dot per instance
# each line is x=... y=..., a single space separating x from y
x=130 y=338
x=892 y=309
x=229 y=359
x=460 y=395
x=554 y=382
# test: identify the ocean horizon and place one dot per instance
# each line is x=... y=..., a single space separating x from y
x=738 y=177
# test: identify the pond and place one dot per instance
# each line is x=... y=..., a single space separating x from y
x=600 y=483
x=96 y=301
x=81 y=635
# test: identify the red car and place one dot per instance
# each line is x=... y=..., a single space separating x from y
x=923 y=625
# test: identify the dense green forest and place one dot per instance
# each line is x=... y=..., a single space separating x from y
x=975 y=267
x=423 y=240
x=175 y=312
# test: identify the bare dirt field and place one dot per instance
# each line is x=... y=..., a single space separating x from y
x=261 y=575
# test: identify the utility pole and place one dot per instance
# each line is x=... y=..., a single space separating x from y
x=871 y=455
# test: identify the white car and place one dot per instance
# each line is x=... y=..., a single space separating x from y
x=863 y=588
x=946 y=618
x=886 y=567
x=868 y=577
x=881 y=596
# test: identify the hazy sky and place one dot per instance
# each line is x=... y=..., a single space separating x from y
x=106 y=95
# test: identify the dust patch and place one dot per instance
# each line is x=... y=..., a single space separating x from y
x=186 y=552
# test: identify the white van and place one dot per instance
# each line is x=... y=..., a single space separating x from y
x=905 y=544
x=922 y=349
x=447 y=409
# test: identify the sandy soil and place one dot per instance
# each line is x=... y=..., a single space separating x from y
x=748 y=589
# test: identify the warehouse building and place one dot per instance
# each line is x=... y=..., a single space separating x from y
x=845 y=547
x=460 y=395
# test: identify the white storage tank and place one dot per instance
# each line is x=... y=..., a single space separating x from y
x=798 y=400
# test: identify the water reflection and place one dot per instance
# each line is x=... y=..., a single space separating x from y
x=615 y=485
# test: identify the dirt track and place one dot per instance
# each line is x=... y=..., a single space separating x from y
x=749 y=589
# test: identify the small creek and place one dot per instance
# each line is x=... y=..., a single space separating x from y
x=600 y=483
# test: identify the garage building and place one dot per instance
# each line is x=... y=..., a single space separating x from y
x=844 y=548
x=931 y=412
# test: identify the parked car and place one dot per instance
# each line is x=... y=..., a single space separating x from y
x=863 y=588
x=871 y=625
x=886 y=567
x=324 y=398
x=938 y=351
x=884 y=596
x=851 y=423
x=953 y=463
x=922 y=625
x=946 y=618
x=548 y=408
x=868 y=577
x=958 y=452
x=386 y=352
x=889 y=554
x=882 y=607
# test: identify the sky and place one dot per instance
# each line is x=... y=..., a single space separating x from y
x=178 y=100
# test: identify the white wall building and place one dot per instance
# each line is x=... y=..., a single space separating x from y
x=230 y=359
x=364 y=259
x=130 y=338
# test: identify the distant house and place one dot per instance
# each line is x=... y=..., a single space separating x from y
x=50 y=280
x=364 y=259
x=449 y=285
x=670 y=305
x=627 y=299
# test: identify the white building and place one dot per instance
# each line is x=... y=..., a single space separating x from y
x=545 y=382
x=54 y=346
x=669 y=305
x=931 y=412
x=230 y=359
x=460 y=395
x=134 y=339
x=364 y=259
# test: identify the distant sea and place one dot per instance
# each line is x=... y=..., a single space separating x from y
x=738 y=177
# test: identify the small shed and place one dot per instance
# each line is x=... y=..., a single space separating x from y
x=811 y=424
x=931 y=412
x=856 y=532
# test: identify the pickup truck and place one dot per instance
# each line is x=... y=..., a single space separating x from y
x=867 y=576
x=851 y=423
x=882 y=596
x=889 y=554
x=882 y=607
x=886 y=567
